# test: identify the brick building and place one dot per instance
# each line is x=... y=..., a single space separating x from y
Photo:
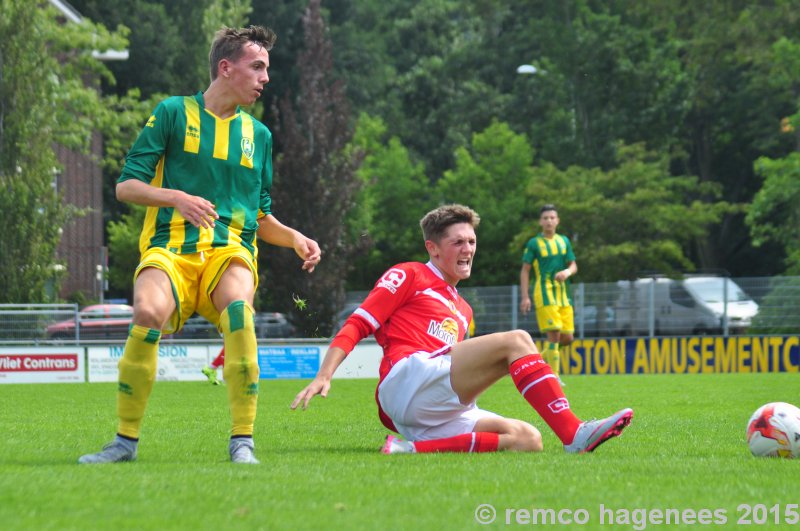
x=82 y=247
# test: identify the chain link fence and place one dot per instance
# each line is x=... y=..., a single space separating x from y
x=654 y=306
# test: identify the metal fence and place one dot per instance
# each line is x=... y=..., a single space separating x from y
x=30 y=322
x=654 y=306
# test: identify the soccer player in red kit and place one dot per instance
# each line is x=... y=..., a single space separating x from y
x=430 y=377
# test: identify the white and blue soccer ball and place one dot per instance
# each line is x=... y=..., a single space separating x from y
x=774 y=431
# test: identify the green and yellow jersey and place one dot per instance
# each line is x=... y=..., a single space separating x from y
x=226 y=161
x=547 y=257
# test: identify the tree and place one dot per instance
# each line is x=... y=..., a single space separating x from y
x=230 y=13
x=491 y=176
x=773 y=215
x=123 y=247
x=392 y=182
x=630 y=219
x=734 y=109
x=48 y=96
x=315 y=183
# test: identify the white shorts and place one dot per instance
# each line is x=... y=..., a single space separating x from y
x=418 y=397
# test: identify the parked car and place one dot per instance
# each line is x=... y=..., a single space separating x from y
x=99 y=321
x=268 y=324
x=343 y=314
x=197 y=327
x=695 y=305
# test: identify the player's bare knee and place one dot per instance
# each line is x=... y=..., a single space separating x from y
x=532 y=438
x=518 y=343
x=148 y=315
x=526 y=438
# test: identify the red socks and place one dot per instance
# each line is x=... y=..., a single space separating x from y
x=539 y=386
x=219 y=360
x=467 y=442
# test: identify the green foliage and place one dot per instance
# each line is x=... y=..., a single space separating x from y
x=633 y=218
x=392 y=182
x=219 y=13
x=778 y=307
x=315 y=185
x=123 y=247
x=491 y=177
x=703 y=84
x=774 y=215
x=48 y=96
x=604 y=78
x=121 y=123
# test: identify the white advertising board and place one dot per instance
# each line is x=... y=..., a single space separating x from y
x=42 y=365
x=363 y=362
x=303 y=359
x=175 y=362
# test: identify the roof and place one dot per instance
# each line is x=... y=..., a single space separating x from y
x=73 y=15
x=67 y=10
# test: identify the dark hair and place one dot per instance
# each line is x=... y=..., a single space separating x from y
x=436 y=222
x=546 y=208
x=229 y=44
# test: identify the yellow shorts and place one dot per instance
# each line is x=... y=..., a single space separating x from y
x=555 y=318
x=194 y=277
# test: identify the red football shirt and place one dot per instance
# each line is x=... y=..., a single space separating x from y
x=410 y=309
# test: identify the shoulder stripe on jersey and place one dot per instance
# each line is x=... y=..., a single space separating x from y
x=450 y=305
x=562 y=245
x=544 y=251
x=191 y=141
x=368 y=316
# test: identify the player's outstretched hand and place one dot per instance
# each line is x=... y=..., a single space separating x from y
x=318 y=386
x=309 y=251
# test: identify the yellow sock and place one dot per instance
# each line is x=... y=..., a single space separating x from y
x=241 y=365
x=552 y=357
x=137 y=372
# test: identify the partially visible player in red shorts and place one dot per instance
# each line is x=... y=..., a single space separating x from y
x=430 y=377
x=211 y=370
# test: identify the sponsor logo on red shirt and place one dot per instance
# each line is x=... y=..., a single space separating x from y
x=392 y=279
x=446 y=331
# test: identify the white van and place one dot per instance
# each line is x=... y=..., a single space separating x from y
x=695 y=305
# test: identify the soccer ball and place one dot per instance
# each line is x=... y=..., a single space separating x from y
x=774 y=431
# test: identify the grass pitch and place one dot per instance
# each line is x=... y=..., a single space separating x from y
x=683 y=457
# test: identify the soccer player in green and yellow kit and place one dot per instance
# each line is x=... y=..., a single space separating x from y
x=203 y=167
x=553 y=262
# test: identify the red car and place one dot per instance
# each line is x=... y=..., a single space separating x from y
x=99 y=321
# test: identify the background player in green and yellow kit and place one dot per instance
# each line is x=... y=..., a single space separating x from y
x=203 y=167
x=553 y=262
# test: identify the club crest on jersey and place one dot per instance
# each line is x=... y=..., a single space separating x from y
x=446 y=331
x=151 y=122
x=248 y=148
x=392 y=279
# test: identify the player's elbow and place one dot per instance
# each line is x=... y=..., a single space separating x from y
x=122 y=191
